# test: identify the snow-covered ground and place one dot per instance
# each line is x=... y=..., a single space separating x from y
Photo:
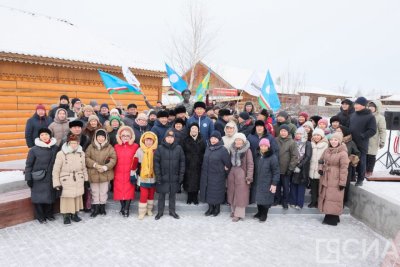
x=194 y=240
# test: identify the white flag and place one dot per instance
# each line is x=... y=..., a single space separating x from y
x=254 y=84
x=130 y=78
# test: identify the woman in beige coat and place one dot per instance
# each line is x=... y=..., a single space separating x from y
x=333 y=171
x=60 y=127
x=70 y=176
x=100 y=161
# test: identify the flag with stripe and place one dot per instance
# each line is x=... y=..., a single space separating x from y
x=114 y=84
x=201 y=89
x=177 y=83
x=269 y=98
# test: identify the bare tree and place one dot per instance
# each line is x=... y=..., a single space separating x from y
x=290 y=82
x=194 y=42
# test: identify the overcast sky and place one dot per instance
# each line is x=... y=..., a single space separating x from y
x=351 y=42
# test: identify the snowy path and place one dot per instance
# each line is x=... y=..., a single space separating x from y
x=194 y=240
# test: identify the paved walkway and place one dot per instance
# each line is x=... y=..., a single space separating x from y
x=194 y=240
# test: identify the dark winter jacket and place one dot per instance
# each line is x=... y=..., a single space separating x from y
x=139 y=130
x=169 y=167
x=362 y=128
x=213 y=174
x=160 y=129
x=254 y=140
x=266 y=174
x=33 y=125
x=103 y=118
x=129 y=120
x=41 y=157
x=288 y=154
x=344 y=116
x=179 y=135
x=206 y=125
x=292 y=128
x=70 y=113
x=194 y=153
x=304 y=165
x=220 y=126
x=246 y=127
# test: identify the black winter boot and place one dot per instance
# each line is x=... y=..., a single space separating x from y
x=330 y=220
x=67 y=219
x=195 y=198
x=258 y=214
x=158 y=216
x=76 y=218
x=95 y=212
x=264 y=214
x=103 y=209
x=122 y=211
x=189 y=198
x=127 y=204
x=210 y=210
x=217 y=209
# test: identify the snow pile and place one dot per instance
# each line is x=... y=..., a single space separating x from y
x=11 y=176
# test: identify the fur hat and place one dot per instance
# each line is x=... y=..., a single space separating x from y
x=171 y=112
x=338 y=136
x=318 y=131
x=240 y=136
x=40 y=106
x=179 y=120
x=315 y=118
x=75 y=123
x=162 y=114
x=244 y=115
x=132 y=105
x=44 y=130
x=283 y=114
x=361 y=101
x=199 y=104
x=195 y=124
x=259 y=123
x=180 y=109
x=216 y=134
x=101 y=132
x=64 y=97
x=264 y=142
x=224 y=112
x=334 y=118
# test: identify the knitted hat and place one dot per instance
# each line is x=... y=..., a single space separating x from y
x=64 y=97
x=224 y=112
x=171 y=112
x=153 y=112
x=361 y=101
x=338 y=136
x=101 y=132
x=199 y=104
x=179 y=120
x=74 y=100
x=104 y=105
x=75 y=123
x=93 y=117
x=169 y=133
x=141 y=116
x=114 y=110
x=264 y=142
x=240 y=136
x=318 y=131
x=93 y=103
x=44 y=130
x=347 y=101
x=162 y=114
x=41 y=106
x=132 y=105
x=309 y=125
x=345 y=130
x=304 y=114
x=72 y=137
x=216 y=134
x=264 y=112
x=284 y=127
x=180 y=109
x=300 y=130
x=115 y=118
x=334 y=118
x=324 y=121
x=244 y=115
x=283 y=114
x=259 y=123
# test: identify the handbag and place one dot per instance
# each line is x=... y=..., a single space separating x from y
x=40 y=174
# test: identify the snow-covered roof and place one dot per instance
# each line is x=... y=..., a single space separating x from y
x=35 y=34
x=322 y=91
x=391 y=98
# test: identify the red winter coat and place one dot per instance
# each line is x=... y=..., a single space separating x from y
x=123 y=189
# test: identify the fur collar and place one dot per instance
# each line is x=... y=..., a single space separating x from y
x=238 y=154
x=66 y=149
x=40 y=143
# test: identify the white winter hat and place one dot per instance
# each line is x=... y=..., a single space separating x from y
x=319 y=132
x=114 y=110
x=240 y=136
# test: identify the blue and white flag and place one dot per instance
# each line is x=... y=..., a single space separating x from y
x=269 y=98
x=177 y=83
x=114 y=84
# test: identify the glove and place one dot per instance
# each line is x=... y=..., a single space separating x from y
x=29 y=183
x=105 y=168
x=289 y=173
x=86 y=184
x=99 y=168
x=341 y=187
x=321 y=161
x=321 y=172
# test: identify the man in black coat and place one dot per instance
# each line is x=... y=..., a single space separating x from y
x=64 y=103
x=346 y=110
x=362 y=128
x=38 y=121
x=169 y=169
x=223 y=118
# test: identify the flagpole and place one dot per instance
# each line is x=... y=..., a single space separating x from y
x=237 y=101
x=115 y=103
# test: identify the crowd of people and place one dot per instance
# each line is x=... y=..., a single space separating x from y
x=218 y=156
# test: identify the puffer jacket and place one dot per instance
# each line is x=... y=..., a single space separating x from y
x=100 y=154
x=317 y=151
x=378 y=140
x=59 y=128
